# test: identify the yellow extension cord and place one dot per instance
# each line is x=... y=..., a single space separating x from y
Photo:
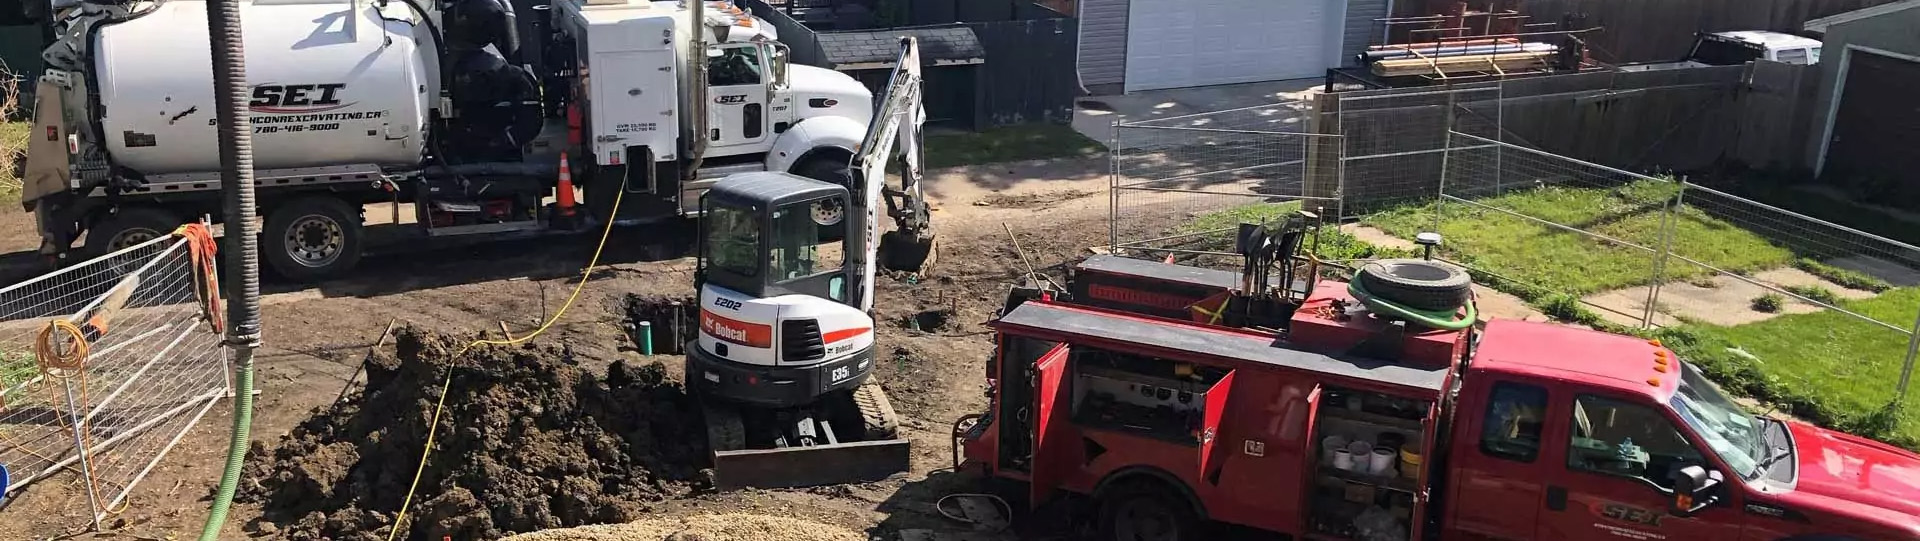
x=57 y=365
x=440 y=404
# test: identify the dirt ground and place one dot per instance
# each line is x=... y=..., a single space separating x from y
x=317 y=337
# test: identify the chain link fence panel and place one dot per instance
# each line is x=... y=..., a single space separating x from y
x=105 y=365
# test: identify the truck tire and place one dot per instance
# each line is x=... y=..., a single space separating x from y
x=128 y=226
x=1417 y=283
x=878 y=421
x=828 y=170
x=1145 y=511
x=312 y=238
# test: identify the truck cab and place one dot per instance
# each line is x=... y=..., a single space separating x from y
x=1581 y=435
x=1739 y=47
x=1340 y=423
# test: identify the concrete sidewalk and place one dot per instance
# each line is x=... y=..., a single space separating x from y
x=1277 y=105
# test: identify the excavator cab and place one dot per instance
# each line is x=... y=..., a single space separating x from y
x=766 y=235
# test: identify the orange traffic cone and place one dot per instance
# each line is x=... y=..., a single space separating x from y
x=565 y=195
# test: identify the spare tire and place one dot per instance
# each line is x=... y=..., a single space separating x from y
x=1417 y=283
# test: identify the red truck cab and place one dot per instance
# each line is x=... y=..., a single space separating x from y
x=1344 y=425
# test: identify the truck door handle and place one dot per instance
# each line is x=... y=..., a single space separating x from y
x=1556 y=498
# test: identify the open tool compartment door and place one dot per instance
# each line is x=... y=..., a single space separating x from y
x=1051 y=436
x=1210 y=429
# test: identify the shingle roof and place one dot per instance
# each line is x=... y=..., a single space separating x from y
x=936 y=43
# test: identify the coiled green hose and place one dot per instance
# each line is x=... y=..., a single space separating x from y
x=1439 y=319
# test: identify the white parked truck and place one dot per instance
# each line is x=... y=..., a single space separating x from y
x=370 y=101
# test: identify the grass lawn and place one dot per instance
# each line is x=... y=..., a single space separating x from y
x=1566 y=262
x=17 y=368
x=13 y=140
x=1826 y=366
x=1008 y=144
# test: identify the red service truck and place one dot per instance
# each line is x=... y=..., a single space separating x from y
x=1179 y=398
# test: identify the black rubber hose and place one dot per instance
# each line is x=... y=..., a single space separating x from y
x=242 y=268
x=439 y=45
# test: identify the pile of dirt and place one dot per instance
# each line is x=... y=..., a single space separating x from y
x=528 y=441
x=726 y=527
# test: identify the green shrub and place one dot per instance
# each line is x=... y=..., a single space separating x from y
x=1769 y=303
x=1815 y=293
x=1567 y=308
x=1847 y=278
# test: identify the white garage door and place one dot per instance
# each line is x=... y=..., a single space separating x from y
x=1183 y=43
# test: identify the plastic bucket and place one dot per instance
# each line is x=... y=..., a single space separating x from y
x=1328 y=446
x=1343 y=459
x=1409 y=461
x=1381 y=461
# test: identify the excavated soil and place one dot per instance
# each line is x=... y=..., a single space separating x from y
x=528 y=441
x=726 y=527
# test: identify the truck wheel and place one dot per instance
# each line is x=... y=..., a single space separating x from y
x=877 y=418
x=128 y=226
x=726 y=431
x=313 y=238
x=831 y=220
x=1145 y=512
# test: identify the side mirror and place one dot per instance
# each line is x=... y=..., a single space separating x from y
x=1694 y=488
x=781 y=57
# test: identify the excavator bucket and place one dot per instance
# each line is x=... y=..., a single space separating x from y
x=907 y=252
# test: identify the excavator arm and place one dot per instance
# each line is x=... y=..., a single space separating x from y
x=898 y=124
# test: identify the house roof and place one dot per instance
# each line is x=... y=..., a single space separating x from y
x=1822 y=24
x=878 y=48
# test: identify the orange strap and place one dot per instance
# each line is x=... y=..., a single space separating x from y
x=204 y=250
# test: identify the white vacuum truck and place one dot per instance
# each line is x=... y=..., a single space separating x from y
x=368 y=101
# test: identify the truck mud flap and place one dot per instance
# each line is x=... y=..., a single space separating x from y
x=842 y=463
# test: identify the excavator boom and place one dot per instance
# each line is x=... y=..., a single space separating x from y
x=898 y=123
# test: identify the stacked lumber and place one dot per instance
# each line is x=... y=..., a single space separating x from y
x=1491 y=63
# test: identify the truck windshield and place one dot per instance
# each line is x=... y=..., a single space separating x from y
x=732 y=239
x=1729 y=430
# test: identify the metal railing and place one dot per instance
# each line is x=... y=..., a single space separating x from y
x=1248 y=163
x=1646 y=251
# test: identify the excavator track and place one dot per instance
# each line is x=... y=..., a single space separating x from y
x=877 y=417
x=726 y=431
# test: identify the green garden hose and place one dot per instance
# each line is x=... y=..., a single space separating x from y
x=1439 y=319
x=236 y=453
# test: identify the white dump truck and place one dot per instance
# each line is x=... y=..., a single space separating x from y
x=356 y=102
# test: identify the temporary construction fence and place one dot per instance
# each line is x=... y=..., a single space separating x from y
x=1649 y=251
x=106 y=364
x=1396 y=140
x=1168 y=171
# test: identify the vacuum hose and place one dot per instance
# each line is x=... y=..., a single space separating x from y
x=243 y=269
